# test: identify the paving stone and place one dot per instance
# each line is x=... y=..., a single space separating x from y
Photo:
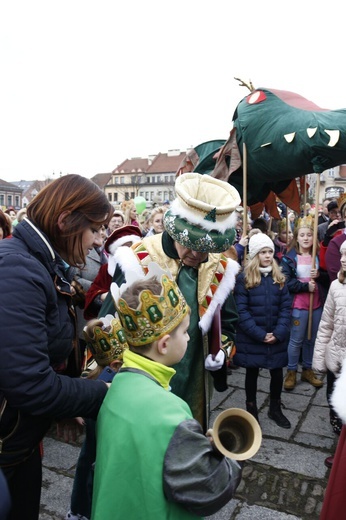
x=310 y=439
x=263 y=513
x=292 y=457
x=55 y=496
x=59 y=454
x=285 y=480
x=317 y=421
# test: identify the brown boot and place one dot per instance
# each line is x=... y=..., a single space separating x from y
x=290 y=380
x=309 y=376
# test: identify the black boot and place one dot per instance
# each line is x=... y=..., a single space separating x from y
x=276 y=414
x=251 y=407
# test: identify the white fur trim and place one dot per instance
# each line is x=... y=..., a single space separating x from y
x=121 y=241
x=195 y=218
x=126 y=259
x=338 y=399
x=225 y=288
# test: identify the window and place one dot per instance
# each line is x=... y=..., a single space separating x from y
x=2 y=200
x=9 y=200
x=121 y=180
x=115 y=197
x=110 y=197
x=16 y=200
x=331 y=173
x=116 y=180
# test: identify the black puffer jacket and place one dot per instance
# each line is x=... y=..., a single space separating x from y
x=36 y=339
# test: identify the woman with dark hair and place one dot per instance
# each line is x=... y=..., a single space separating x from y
x=40 y=360
x=5 y=225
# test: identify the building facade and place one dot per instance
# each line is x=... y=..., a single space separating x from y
x=332 y=183
x=152 y=178
x=10 y=195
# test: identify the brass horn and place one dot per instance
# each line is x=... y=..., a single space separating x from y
x=236 y=434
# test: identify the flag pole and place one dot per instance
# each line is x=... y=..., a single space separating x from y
x=314 y=249
x=244 y=190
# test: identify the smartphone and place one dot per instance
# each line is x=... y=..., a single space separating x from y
x=107 y=375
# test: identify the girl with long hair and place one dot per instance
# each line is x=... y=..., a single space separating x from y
x=263 y=304
x=301 y=278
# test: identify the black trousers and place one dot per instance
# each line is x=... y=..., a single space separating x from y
x=24 y=481
x=276 y=381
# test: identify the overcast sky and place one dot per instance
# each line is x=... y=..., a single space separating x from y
x=87 y=84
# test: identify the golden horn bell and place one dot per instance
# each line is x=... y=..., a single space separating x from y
x=236 y=434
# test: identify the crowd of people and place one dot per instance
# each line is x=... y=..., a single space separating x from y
x=116 y=293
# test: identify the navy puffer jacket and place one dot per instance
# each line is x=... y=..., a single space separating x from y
x=262 y=309
x=37 y=332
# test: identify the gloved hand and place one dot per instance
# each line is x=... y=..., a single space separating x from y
x=214 y=364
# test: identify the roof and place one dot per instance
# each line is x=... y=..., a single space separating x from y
x=24 y=185
x=8 y=186
x=166 y=162
x=101 y=179
x=135 y=165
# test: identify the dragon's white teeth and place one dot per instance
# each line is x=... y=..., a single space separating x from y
x=311 y=131
x=334 y=136
x=289 y=137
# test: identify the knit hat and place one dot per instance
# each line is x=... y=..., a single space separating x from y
x=258 y=242
x=202 y=217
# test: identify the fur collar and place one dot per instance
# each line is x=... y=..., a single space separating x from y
x=225 y=287
x=338 y=400
x=125 y=258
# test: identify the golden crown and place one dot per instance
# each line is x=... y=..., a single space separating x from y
x=156 y=315
x=304 y=222
x=106 y=340
x=282 y=225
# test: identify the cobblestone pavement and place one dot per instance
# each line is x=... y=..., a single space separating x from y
x=285 y=480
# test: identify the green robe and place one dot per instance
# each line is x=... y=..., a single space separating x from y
x=189 y=381
x=152 y=459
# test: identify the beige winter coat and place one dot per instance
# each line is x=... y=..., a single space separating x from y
x=330 y=345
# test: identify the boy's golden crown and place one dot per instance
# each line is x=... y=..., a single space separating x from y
x=155 y=316
x=106 y=340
